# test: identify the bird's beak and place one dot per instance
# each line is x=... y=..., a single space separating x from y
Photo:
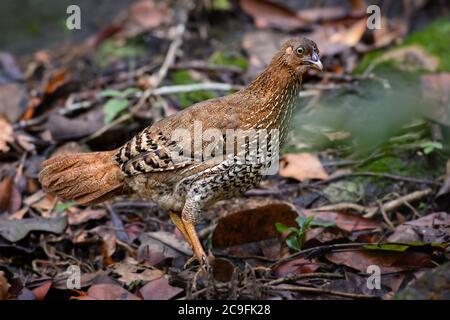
x=317 y=65
x=315 y=62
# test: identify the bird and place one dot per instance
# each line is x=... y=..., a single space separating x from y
x=158 y=166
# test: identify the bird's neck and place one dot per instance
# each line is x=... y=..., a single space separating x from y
x=274 y=95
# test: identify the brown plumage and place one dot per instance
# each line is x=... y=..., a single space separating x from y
x=152 y=165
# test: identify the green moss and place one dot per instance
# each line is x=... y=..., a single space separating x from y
x=434 y=38
x=228 y=59
x=188 y=98
x=405 y=165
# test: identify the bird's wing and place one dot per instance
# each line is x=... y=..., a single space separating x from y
x=150 y=151
x=154 y=150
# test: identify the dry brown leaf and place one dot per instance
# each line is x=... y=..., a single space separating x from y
x=159 y=289
x=13 y=99
x=429 y=228
x=388 y=261
x=344 y=221
x=302 y=166
x=41 y=291
x=260 y=46
x=130 y=271
x=107 y=291
x=315 y=15
x=298 y=265
x=4 y=286
x=259 y=224
x=10 y=198
x=351 y=36
x=145 y=15
x=79 y=217
x=268 y=14
x=6 y=134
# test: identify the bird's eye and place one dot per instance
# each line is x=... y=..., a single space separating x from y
x=300 y=51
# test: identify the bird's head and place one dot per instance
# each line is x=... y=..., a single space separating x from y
x=301 y=55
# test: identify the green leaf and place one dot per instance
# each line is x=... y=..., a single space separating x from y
x=113 y=107
x=281 y=227
x=322 y=224
x=304 y=222
x=111 y=94
x=292 y=242
x=401 y=247
x=129 y=91
x=430 y=146
x=63 y=206
x=387 y=247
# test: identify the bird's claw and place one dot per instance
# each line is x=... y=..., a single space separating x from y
x=203 y=261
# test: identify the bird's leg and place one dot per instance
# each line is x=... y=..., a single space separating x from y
x=176 y=219
x=188 y=218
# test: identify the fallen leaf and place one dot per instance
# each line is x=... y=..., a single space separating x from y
x=9 y=69
x=430 y=285
x=63 y=128
x=79 y=217
x=159 y=289
x=430 y=228
x=351 y=36
x=302 y=166
x=169 y=239
x=387 y=261
x=344 y=191
x=41 y=291
x=223 y=269
x=344 y=221
x=259 y=224
x=5 y=192
x=260 y=46
x=57 y=79
x=15 y=230
x=130 y=271
x=269 y=14
x=316 y=15
x=13 y=101
x=6 y=134
x=4 y=286
x=145 y=15
x=297 y=265
x=106 y=291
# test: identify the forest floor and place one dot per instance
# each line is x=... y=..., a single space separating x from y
x=364 y=180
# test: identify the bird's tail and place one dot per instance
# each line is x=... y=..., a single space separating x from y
x=87 y=178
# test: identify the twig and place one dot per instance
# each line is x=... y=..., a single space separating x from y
x=370 y=212
x=385 y=216
x=244 y=257
x=394 y=204
x=287 y=287
x=196 y=87
x=303 y=276
x=155 y=80
x=375 y=174
x=318 y=248
x=341 y=207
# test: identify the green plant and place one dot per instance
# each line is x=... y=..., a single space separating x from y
x=117 y=102
x=296 y=236
x=64 y=206
x=430 y=146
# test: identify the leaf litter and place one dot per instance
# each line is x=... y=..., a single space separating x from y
x=307 y=232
